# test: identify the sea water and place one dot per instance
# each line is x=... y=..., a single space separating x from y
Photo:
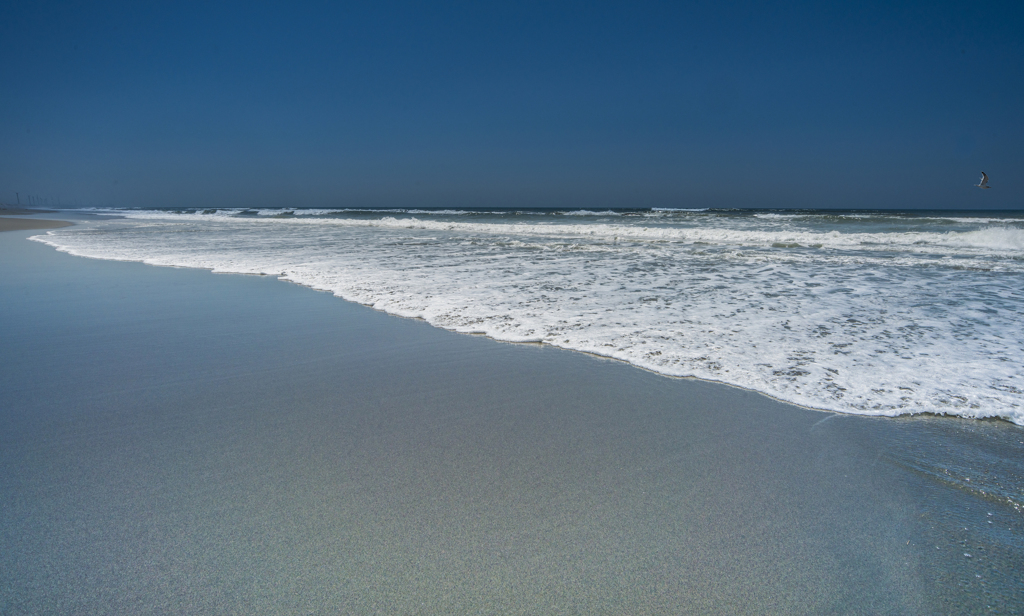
x=866 y=312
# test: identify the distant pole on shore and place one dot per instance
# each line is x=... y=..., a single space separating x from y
x=19 y=198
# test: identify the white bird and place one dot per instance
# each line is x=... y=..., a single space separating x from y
x=984 y=181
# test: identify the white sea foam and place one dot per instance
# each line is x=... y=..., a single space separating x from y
x=590 y=213
x=880 y=320
x=995 y=238
x=938 y=242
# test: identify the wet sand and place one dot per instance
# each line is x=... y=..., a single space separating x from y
x=174 y=441
x=25 y=224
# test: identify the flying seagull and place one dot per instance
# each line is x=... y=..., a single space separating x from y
x=984 y=181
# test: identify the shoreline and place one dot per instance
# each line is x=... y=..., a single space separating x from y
x=317 y=455
x=528 y=343
x=542 y=343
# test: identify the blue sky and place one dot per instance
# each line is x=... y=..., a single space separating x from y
x=525 y=104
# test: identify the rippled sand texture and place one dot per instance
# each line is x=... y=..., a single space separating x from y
x=173 y=441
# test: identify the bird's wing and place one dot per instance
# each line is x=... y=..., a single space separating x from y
x=984 y=178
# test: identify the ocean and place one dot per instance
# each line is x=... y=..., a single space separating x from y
x=864 y=312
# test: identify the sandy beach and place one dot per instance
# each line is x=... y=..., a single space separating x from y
x=175 y=441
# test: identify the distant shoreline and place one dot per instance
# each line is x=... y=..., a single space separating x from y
x=8 y=210
x=26 y=224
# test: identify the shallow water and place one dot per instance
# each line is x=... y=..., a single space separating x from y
x=877 y=313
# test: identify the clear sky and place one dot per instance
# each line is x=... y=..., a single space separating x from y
x=518 y=104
